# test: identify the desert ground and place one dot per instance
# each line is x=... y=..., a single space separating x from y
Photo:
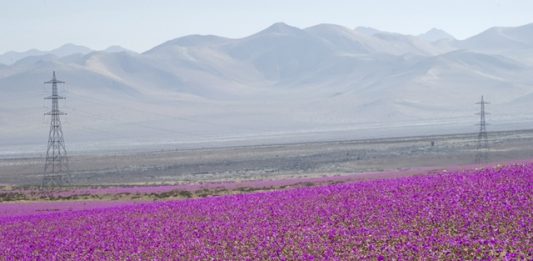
x=316 y=159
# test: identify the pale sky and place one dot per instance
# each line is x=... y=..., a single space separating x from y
x=141 y=24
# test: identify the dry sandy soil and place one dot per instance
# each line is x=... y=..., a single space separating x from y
x=315 y=159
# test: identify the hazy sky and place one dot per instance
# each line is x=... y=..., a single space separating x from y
x=142 y=24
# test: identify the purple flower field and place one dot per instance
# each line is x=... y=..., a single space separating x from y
x=456 y=215
x=43 y=207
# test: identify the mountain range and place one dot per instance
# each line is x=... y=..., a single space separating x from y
x=282 y=83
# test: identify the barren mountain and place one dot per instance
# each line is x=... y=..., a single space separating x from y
x=281 y=83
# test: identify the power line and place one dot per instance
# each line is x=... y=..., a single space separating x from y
x=482 y=154
x=56 y=169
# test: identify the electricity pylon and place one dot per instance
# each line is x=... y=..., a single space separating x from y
x=482 y=153
x=56 y=170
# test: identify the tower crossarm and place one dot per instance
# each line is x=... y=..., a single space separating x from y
x=51 y=97
x=55 y=113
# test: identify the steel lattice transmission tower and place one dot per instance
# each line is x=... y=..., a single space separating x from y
x=482 y=154
x=56 y=170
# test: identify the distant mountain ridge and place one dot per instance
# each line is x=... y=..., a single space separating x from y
x=501 y=38
x=12 y=57
x=282 y=81
x=435 y=34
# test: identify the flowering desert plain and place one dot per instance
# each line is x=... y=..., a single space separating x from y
x=468 y=211
x=469 y=214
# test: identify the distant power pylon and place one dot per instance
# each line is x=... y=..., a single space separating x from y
x=56 y=170
x=482 y=154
